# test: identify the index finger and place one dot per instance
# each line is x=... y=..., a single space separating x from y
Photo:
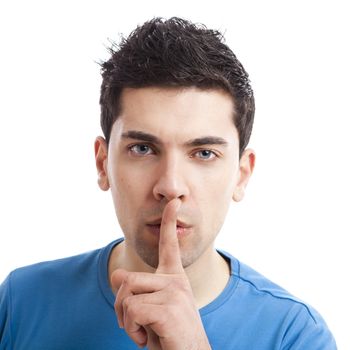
x=169 y=250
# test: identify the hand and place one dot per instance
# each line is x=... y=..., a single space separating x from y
x=159 y=310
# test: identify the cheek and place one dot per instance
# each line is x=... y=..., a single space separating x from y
x=214 y=195
x=216 y=184
x=129 y=195
x=129 y=187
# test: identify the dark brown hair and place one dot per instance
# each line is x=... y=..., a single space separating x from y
x=175 y=53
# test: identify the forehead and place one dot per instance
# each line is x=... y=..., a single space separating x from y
x=174 y=113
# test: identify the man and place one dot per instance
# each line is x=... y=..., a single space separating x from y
x=177 y=112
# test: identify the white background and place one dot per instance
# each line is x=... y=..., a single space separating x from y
x=294 y=222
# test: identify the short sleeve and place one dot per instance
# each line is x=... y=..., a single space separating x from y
x=307 y=330
x=5 y=334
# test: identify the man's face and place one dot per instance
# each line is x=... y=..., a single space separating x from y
x=169 y=143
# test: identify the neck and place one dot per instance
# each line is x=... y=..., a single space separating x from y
x=208 y=275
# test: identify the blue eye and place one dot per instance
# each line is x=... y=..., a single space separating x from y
x=141 y=149
x=206 y=154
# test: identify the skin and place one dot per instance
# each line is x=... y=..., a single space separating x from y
x=173 y=160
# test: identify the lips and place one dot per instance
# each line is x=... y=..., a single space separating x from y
x=182 y=229
x=157 y=222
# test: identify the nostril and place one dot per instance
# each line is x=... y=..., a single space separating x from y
x=170 y=188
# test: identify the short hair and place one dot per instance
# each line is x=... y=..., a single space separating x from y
x=175 y=53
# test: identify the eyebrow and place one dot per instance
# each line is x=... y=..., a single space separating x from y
x=141 y=136
x=207 y=140
x=199 y=141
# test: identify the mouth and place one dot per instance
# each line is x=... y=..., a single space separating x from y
x=182 y=229
x=179 y=223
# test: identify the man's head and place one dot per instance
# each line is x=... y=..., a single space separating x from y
x=176 y=53
x=176 y=105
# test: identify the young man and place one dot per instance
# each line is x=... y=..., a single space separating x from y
x=177 y=112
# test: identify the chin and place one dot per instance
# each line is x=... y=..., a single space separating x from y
x=149 y=255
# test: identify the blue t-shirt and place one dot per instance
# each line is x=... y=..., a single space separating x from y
x=67 y=304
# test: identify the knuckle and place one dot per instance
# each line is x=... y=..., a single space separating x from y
x=127 y=303
x=132 y=314
x=126 y=281
x=131 y=307
x=130 y=279
x=132 y=311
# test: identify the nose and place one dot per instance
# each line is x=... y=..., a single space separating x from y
x=171 y=180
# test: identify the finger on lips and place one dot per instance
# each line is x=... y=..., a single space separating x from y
x=169 y=250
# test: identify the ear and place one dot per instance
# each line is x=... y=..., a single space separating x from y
x=246 y=167
x=101 y=153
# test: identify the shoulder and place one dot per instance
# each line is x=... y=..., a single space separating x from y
x=58 y=269
x=41 y=277
x=51 y=290
x=275 y=310
x=258 y=288
x=296 y=308
x=264 y=287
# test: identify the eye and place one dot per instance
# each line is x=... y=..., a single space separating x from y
x=205 y=154
x=141 y=149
